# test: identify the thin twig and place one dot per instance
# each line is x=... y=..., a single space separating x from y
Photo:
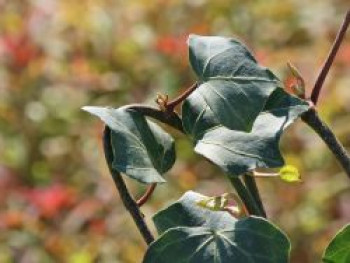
x=329 y=61
x=250 y=183
x=172 y=104
x=172 y=118
x=125 y=196
x=146 y=196
x=262 y=175
x=312 y=119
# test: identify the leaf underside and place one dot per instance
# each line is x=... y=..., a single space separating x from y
x=142 y=150
x=193 y=234
x=232 y=84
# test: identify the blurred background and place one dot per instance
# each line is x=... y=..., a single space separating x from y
x=57 y=199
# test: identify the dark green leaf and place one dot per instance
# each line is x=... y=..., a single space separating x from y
x=142 y=150
x=232 y=84
x=214 y=236
x=338 y=251
x=237 y=152
x=185 y=212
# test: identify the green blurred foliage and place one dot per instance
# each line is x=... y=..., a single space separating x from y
x=57 y=200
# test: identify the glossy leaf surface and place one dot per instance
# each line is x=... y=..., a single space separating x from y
x=237 y=152
x=142 y=150
x=214 y=236
x=187 y=212
x=232 y=84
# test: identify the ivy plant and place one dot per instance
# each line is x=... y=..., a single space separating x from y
x=235 y=114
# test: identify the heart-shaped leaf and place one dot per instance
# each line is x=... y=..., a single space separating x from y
x=214 y=236
x=237 y=152
x=232 y=84
x=141 y=149
x=186 y=212
x=338 y=251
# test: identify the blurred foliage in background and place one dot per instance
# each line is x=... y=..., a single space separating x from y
x=57 y=200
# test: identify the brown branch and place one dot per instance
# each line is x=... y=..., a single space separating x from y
x=125 y=196
x=312 y=119
x=329 y=61
x=172 y=104
x=171 y=118
x=146 y=196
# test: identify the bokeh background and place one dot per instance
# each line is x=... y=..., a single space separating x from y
x=57 y=200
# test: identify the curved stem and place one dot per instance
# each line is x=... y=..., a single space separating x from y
x=329 y=61
x=245 y=196
x=250 y=183
x=171 y=118
x=312 y=119
x=146 y=196
x=172 y=104
x=125 y=196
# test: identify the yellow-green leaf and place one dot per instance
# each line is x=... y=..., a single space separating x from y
x=290 y=174
x=215 y=203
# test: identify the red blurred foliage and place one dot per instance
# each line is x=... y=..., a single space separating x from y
x=172 y=45
x=97 y=226
x=12 y=219
x=288 y=83
x=50 y=200
x=84 y=214
x=262 y=56
x=344 y=54
x=19 y=49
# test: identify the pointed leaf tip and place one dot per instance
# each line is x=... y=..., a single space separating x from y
x=142 y=150
x=88 y=108
x=237 y=152
x=232 y=84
